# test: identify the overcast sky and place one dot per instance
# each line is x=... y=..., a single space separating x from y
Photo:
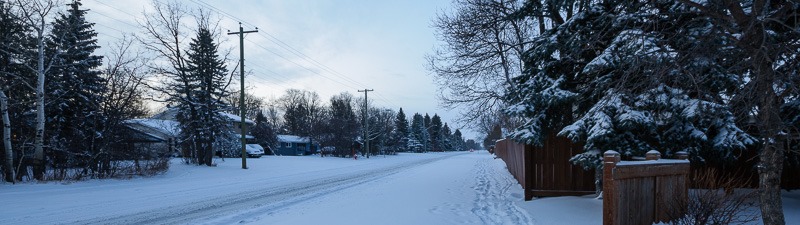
x=326 y=46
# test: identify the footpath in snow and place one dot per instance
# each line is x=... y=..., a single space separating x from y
x=430 y=188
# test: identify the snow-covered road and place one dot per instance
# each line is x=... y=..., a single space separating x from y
x=431 y=188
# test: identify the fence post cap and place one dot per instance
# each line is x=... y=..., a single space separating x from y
x=611 y=156
x=682 y=155
x=652 y=155
x=610 y=153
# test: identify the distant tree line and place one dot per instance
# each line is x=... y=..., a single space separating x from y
x=340 y=124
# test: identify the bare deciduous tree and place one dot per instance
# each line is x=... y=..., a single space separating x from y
x=252 y=104
x=34 y=15
x=301 y=109
x=481 y=54
x=126 y=75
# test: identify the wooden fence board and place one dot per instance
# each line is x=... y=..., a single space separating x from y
x=546 y=171
x=642 y=192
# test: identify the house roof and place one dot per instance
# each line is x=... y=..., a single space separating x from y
x=292 y=139
x=171 y=113
x=236 y=118
x=161 y=130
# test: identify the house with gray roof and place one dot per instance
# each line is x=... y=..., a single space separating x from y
x=294 y=145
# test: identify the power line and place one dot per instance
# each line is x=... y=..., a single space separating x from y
x=291 y=50
x=114 y=18
x=280 y=44
x=299 y=65
x=111 y=36
x=107 y=5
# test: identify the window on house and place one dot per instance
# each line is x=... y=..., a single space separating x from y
x=287 y=144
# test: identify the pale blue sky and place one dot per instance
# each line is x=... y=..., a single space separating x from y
x=378 y=45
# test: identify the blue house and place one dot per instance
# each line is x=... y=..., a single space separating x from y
x=293 y=145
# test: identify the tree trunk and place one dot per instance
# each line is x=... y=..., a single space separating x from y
x=769 y=183
x=8 y=164
x=770 y=165
x=207 y=153
x=201 y=152
x=598 y=181
x=38 y=154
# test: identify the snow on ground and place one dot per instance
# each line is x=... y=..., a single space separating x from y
x=471 y=188
x=430 y=188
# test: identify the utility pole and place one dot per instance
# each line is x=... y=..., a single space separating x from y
x=366 y=118
x=243 y=125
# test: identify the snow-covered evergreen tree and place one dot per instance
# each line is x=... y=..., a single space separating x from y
x=419 y=133
x=75 y=87
x=401 y=131
x=446 y=138
x=264 y=134
x=413 y=144
x=426 y=121
x=200 y=116
x=668 y=75
x=458 y=141
x=436 y=135
x=601 y=78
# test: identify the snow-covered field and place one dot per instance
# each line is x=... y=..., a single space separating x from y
x=430 y=188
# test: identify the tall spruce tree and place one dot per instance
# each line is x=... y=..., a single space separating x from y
x=75 y=88
x=458 y=141
x=436 y=135
x=401 y=131
x=447 y=138
x=419 y=134
x=208 y=78
x=264 y=134
x=343 y=125
x=426 y=125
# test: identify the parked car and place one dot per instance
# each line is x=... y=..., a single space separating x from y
x=254 y=150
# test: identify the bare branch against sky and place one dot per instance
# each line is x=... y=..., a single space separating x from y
x=324 y=46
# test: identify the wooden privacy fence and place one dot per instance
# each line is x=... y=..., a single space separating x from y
x=546 y=171
x=644 y=192
x=745 y=169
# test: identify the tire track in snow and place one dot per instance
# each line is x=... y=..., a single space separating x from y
x=242 y=206
x=493 y=204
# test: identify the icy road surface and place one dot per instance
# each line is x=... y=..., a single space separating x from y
x=430 y=188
